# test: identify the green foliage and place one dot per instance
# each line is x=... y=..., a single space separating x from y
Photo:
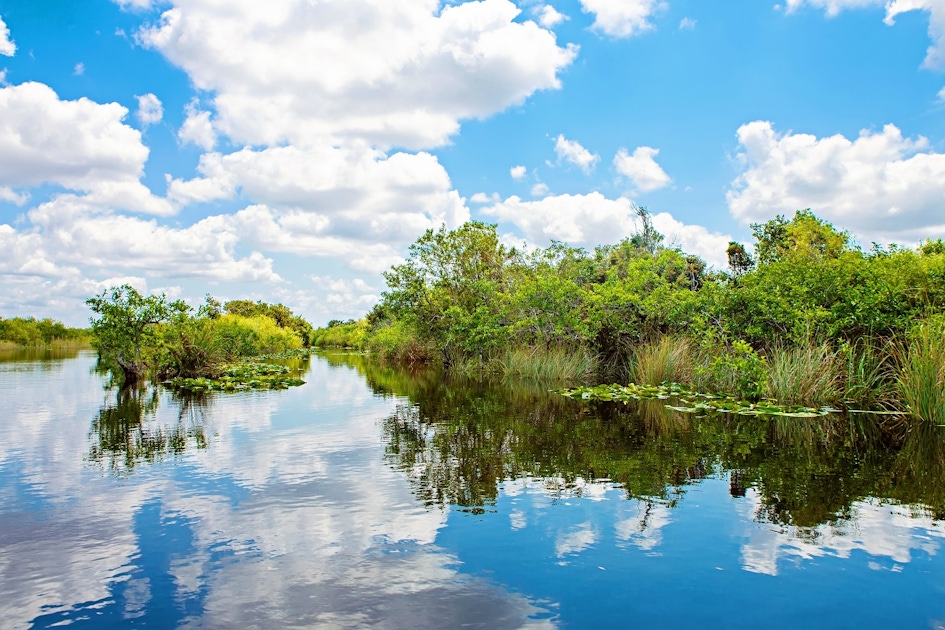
x=147 y=336
x=124 y=330
x=341 y=335
x=547 y=364
x=665 y=360
x=803 y=375
x=241 y=377
x=737 y=370
x=281 y=315
x=29 y=331
x=788 y=323
x=922 y=370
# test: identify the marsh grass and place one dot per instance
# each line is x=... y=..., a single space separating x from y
x=868 y=377
x=546 y=364
x=665 y=360
x=921 y=378
x=804 y=374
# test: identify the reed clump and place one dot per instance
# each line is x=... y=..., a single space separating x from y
x=921 y=377
x=547 y=364
x=664 y=360
x=804 y=374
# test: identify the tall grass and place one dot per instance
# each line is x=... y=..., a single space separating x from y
x=921 y=379
x=668 y=359
x=551 y=364
x=867 y=376
x=804 y=374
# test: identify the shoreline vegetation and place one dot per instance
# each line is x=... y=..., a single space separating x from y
x=220 y=347
x=18 y=333
x=807 y=319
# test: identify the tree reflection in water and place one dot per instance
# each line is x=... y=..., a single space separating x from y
x=127 y=432
x=458 y=440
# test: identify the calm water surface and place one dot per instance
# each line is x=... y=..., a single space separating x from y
x=376 y=497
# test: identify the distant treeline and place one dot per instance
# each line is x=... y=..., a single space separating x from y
x=150 y=337
x=29 y=331
x=807 y=315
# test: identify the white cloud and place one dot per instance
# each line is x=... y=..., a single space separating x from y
x=79 y=69
x=687 y=24
x=197 y=128
x=518 y=172
x=935 y=57
x=549 y=17
x=623 y=18
x=358 y=204
x=642 y=169
x=79 y=145
x=592 y=219
x=941 y=95
x=833 y=7
x=401 y=73
x=7 y=47
x=150 y=109
x=68 y=231
x=880 y=185
x=571 y=151
x=540 y=189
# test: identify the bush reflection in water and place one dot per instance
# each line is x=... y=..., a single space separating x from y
x=459 y=440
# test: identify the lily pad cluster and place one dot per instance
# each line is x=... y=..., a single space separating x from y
x=689 y=401
x=242 y=377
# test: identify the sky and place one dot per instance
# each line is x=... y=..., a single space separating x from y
x=291 y=150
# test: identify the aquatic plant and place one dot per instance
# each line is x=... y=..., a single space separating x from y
x=921 y=378
x=668 y=359
x=803 y=374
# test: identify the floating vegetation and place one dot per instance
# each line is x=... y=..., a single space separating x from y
x=689 y=401
x=244 y=376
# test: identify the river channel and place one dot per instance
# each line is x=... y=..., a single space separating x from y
x=376 y=497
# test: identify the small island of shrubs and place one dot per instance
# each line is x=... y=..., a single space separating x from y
x=220 y=347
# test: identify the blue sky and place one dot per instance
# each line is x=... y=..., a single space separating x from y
x=291 y=151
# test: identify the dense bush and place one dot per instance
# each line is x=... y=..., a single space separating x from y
x=147 y=336
x=29 y=331
x=809 y=300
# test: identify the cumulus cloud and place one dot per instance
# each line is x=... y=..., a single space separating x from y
x=623 y=18
x=880 y=185
x=328 y=201
x=69 y=231
x=79 y=145
x=197 y=128
x=518 y=172
x=150 y=109
x=687 y=24
x=7 y=47
x=592 y=219
x=549 y=17
x=401 y=73
x=935 y=57
x=641 y=168
x=572 y=152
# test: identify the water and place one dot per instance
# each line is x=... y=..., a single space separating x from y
x=377 y=497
